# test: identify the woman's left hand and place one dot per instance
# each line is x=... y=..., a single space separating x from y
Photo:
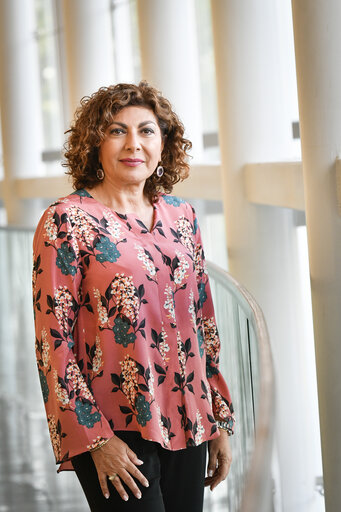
x=219 y=460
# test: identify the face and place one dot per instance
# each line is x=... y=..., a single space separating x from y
x=132 y=147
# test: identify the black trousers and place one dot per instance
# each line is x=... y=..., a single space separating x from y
x=176 y=479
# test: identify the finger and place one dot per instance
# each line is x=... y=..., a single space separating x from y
x=208 y=480
x=136 y=473
x=103 y=483
x=116 y=482
x=220 y=475
x=212 y=464
x=130 y=482
x=133 y=457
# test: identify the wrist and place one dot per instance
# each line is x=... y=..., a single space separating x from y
x=224 y=425
x=99 y=445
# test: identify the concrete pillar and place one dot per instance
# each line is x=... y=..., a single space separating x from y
x=262 y=242
x=169 y=59
x=21 y=119
x=318 y=56
x=88 y=45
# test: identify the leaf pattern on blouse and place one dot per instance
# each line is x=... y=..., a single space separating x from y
x=126 y=337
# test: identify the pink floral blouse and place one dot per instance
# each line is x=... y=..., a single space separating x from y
x=126 y=337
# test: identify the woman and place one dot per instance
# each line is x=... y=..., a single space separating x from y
x=126 y=341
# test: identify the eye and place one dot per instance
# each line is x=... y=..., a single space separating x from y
x=116 y=131
x=148 y=131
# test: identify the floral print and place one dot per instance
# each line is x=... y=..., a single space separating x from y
x=125 y=330
x=180 y=271
x=200 y=430
x=55 y=434
x=65 y=257
x=125 y=296
x=147 y=262
x=173 y=200
x=102 y=311
x=159 y=342
x=127 y=382
x=107 y=250
x=212 y=343
x=130 y=379
x=63 y=301
x=43 y=361
x=169 y=304
x=83 y=230
x=185 y=233
x=51 y=229
x=97 y=361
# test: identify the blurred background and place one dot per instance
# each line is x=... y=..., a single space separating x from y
x=256 y=84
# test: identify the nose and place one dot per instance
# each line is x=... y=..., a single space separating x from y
x=132 y=142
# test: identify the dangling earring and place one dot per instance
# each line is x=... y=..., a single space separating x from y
x=159 y=171
x=100 y=174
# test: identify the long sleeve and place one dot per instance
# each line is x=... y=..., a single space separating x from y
x=221 y=399
x=75 y=422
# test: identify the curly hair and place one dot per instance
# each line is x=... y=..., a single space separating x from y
x=96 y=113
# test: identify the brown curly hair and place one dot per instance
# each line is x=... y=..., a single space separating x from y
x=95 y=114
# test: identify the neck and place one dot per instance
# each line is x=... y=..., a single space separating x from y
x=123 y=200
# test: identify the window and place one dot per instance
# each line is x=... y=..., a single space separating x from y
x=49 y=76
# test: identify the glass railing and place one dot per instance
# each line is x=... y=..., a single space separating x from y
x=27 y=467
x=246 y=364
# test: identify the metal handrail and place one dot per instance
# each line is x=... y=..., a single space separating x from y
x=257 y=490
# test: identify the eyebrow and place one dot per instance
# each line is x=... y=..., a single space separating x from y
x=139 y=126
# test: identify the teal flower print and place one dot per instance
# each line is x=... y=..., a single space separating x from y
x=84 y=416
x=70 y=342
x=121 y=329
x=44 y=386
x=81 y=193
x=173 y=200
x=202 y=294
x=195 y=226
x=211 y=369
x=200 y=341
x=108 y=250
x=143 y=410
x=65 y=256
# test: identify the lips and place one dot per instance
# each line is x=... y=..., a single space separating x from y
x=132 y=160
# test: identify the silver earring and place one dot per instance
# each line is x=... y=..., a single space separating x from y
x=159 y=171
x=100 y=174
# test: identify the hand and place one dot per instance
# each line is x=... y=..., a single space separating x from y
x=116 y=457
x=219 y=452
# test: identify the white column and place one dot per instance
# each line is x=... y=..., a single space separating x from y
x=88 y=44
x=169 y=59
x=21 y=118
x=123 y=41
x=318 y=57
x=262 y=242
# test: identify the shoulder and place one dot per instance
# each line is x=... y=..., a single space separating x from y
x=55 y=217
x=76 y=198
x=63 y=204
x=181 y=212
x=177 y=203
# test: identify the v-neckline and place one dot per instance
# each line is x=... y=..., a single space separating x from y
x=121 y=216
